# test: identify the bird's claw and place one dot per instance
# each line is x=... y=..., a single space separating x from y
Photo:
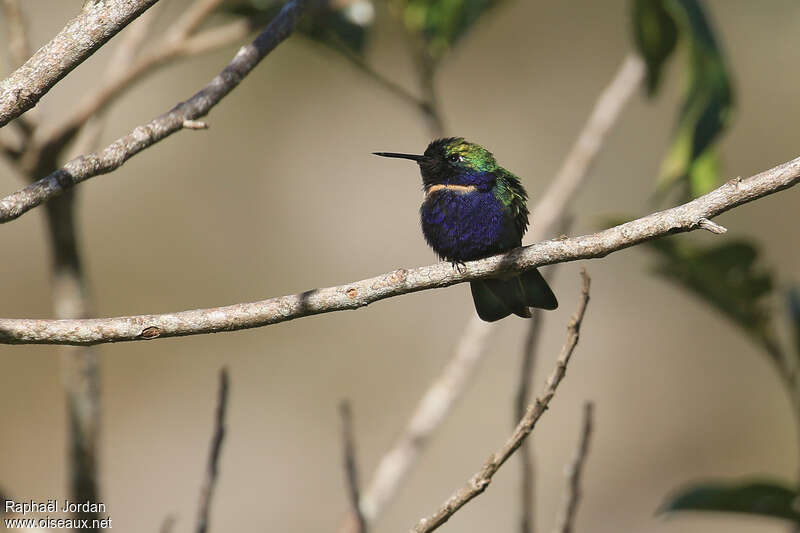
x=459 y=266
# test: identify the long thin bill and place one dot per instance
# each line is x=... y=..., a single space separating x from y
x=399 y=156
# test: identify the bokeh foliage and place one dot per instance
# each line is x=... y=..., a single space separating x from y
x=440 y=24
x=659 y=27
x=726 y=276
x=763 y=498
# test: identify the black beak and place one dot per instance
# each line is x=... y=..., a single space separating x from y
x=400 y=156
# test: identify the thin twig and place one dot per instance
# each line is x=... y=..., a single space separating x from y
x=365 y=68
x=566 y=520
x=212 y=467
x=123 y=57
x=527 y=523
x=114 y=155
x=19 y=46
x=350 y=466
x=79 y=39
x=432 y=107
x=195 y=125
x=711 y=226
x=682 y=218
x=480 y=481
x=115 y=85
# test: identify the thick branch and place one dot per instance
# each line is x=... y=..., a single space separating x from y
x=114 y=155
x=480 y=481
x=679 y=219
x=79 y=39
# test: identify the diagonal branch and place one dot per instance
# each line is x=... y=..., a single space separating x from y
x=358 y=294
x=175 y=46
x=79 y=39
x=114 y=155
x=480 y=481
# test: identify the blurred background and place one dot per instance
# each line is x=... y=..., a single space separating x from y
x=281 y=195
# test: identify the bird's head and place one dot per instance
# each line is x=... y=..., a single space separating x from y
x=453 y=161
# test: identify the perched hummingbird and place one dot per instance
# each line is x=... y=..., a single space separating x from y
x=475 y=208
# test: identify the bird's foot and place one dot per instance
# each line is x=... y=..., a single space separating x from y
x=459 y=266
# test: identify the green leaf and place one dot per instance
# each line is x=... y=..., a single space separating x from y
x=656 y=35
x=440 y=24
x=757 y=498
x=708 y=95
x=344 y=25
x=727 y=277
x=793 y=300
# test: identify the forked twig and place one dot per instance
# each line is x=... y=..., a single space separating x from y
x=480 y=481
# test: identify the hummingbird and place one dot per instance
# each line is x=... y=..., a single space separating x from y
x=475 y=208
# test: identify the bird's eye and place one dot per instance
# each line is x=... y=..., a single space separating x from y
x=454 y=158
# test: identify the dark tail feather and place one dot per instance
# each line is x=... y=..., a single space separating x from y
x=496 y=298
x=488 y=306
x=537 y=292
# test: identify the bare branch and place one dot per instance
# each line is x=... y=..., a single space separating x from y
x=175 y=46
x=682 y=218
x=17 y=28
x=212 y=470
x=431 y=411
x=480 y=481
x=114 y=155
x=350 y=467
x=124 y=56
x=81 y=37
x=567 y=519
